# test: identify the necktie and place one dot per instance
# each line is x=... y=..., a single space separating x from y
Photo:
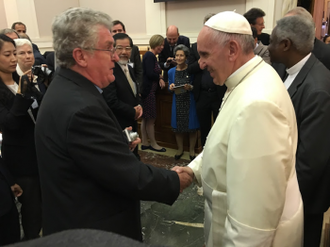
x=131 y=83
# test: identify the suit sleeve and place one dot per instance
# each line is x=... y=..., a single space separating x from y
x=314 y=142
x=115 y=104
x=162 y=59
x=104 y=155
x=259 y=163
x=12 y=119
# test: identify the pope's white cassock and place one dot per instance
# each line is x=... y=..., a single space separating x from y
x=247 y=168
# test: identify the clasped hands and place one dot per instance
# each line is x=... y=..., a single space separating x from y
x=186 y=176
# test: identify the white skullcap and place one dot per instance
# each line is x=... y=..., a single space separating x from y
x=229 y=22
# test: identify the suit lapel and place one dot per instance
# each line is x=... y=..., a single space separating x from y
x=301 y=75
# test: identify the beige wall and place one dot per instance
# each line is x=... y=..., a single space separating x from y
x=130 y=12
x=3 y=20
x=47 y=10
x=142 y=18
x=188 y=16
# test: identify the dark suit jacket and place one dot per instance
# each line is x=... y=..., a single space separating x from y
x=89 y=177
x=166 y=52
x=310 y=94
x=121 y=99
x=18 y=148
x=6 y=195
x=193 y=68
x=137 y=68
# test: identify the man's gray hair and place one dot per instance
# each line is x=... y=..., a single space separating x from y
x=299 y=30
x=21 y=42
x=76 y=28
x=9 y=30
x=245 y=41
x=183 y=48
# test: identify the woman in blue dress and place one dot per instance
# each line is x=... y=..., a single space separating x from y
x=184 y=117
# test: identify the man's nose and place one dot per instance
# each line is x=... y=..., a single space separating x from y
x=202 y=64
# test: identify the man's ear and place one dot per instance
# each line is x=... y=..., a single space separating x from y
x=286 y=44
x=233 y=50
x=80 y=57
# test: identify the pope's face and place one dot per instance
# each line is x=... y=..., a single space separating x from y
x=213 y=57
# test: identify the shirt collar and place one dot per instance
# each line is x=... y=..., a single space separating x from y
x=297 y=67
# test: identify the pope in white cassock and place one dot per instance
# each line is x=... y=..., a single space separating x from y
x=247 y=168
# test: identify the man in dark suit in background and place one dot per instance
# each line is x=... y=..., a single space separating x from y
x=208 y=96
x=122 y=95
x=166 y=57
x=135 y=58
x=308 y=84
x=89 y=176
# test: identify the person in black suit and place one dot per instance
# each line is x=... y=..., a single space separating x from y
x=9 y=221
x=166 y=57
x=308 y=84
x=255 y=17
x=122 y=95
x=17 y=121
x=135 y=58
x=89 y=176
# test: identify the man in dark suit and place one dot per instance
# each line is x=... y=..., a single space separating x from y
x=135 y=58
x=89 y=176
x=308 y=84
x=122 y=95
x=166 y=57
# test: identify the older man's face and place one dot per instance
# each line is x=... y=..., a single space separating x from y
x=172 y=38
x=213 y=57
x=123 y=50
x=100 y=64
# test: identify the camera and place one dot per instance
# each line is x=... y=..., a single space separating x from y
x=130 y=135
x=36 y=70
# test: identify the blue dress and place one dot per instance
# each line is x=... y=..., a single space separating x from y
x=184 y=116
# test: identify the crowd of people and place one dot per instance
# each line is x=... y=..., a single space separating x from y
x=260 y=101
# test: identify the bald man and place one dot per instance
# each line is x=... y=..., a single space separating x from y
x=173 y=38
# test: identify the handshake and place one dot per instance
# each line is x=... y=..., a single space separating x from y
x=186 y=176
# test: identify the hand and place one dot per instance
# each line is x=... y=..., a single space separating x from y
x=27 y=88
x=133 y=144
x=169 y=60
x=161 y=83
x=186 y=176
x=17 y=190
x=138 y=111
x=172 y=86
x=187 y=87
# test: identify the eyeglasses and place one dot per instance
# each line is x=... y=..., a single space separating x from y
x=120 y=48
x=112 y=51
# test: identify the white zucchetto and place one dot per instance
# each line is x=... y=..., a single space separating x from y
x=229 y=22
